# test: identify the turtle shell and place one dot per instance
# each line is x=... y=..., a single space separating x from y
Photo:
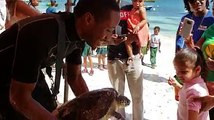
x=92 y=105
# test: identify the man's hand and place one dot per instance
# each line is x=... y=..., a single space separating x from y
x=114 y=40
x=207 y=102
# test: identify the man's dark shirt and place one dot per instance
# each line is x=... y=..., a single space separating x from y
x=27 y=46
x=120 y=51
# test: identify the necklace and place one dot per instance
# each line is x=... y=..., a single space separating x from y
x=200 y=26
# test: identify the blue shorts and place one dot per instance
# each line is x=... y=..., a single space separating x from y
x=87 y=50
x=102 y=51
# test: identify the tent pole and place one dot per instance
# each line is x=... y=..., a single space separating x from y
x=68 y=8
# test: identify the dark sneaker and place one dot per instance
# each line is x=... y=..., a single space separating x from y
x=144 y=64
x=91 y=72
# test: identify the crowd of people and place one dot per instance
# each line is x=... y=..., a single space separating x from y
x=194 y=86
x=51 y=37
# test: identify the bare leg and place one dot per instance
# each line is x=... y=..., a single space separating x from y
x=91 y=65
x=90 y=62
x=103 y=57
x=85 y=65
x=99 y=62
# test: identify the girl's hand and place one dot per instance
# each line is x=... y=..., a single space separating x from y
x=171 y=81
x=136 y=30
x=174 y=82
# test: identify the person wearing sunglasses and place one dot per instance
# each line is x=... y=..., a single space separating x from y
x=198 y=10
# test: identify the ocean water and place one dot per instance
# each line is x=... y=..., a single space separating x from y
x=165 y=13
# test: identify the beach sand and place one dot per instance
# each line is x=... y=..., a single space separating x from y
x=159 y=102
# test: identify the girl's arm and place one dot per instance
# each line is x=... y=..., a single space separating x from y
x=192 y=115
x=143 y=22
x=174 y=83
x=130 y=24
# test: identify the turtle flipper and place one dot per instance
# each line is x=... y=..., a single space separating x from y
x=104 y=118
x=118 y=115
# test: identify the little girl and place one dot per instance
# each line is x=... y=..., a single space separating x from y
x=190 y=67
x=137 y=27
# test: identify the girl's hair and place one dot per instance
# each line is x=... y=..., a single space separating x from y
x=187 y=7
x=194 y=57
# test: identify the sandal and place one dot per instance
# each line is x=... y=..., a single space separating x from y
x=85 y=70
x=100 y=67
x=105 y=67
x=91 y=72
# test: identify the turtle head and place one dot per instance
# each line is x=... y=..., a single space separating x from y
x=122 y=101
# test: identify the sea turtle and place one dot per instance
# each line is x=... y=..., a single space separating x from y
x=98 y=104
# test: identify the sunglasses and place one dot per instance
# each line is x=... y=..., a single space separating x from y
x=194 y=1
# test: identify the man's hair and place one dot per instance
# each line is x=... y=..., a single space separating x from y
x=187 y=7
x=98 y=8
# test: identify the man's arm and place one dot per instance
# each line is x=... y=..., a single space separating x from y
x=75 y=79
x=207 y=102
x=22 y=101
x=193 y=115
